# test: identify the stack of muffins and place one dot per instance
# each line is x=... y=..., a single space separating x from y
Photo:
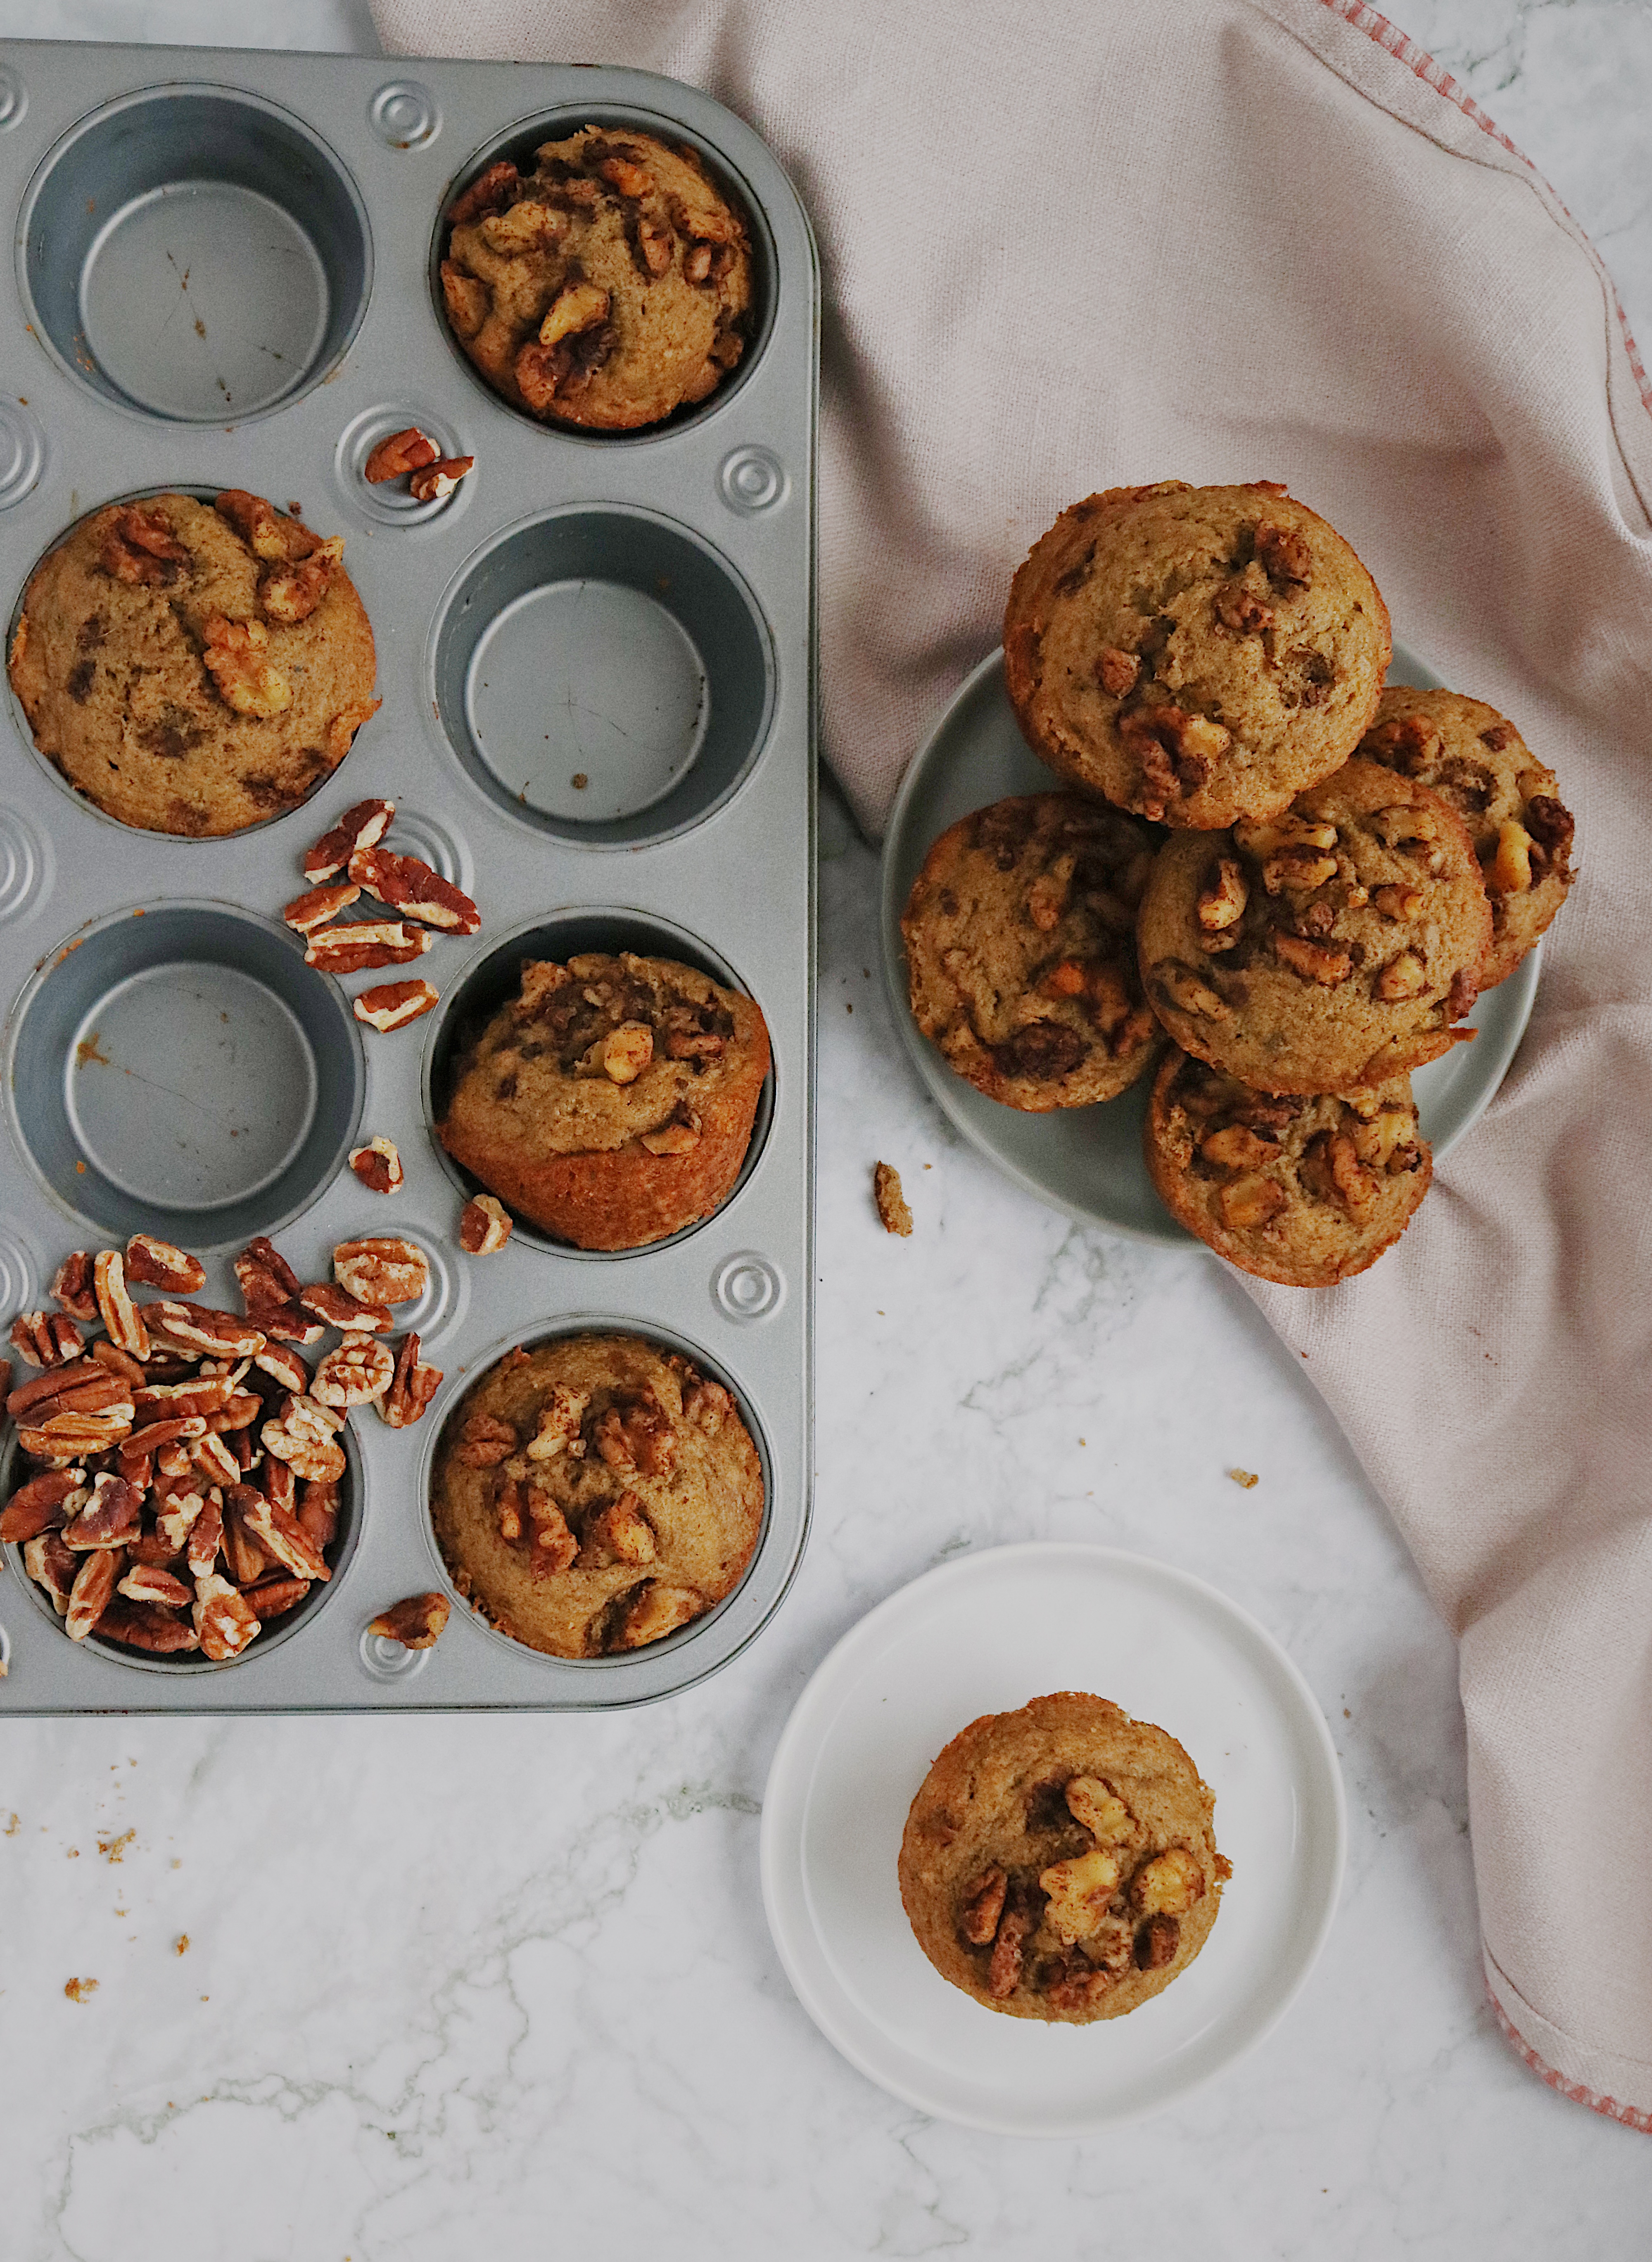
x=1282 y=883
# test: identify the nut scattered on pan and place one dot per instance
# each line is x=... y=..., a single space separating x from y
x=412 y=1386
x=383 y=1270
x=180 y=1489
x=436 y=482
x=377 y=1166
x=417 y=1622
x=891 y=1202
x=361 y=826
x=412 y=887
x=354 y=946
x=393 y=1005
x=484 y=1226
x=403 y=452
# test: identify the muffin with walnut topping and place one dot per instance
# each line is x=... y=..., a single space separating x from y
x=612 y=1100
x=606 y=288
x=1059 y=1863
x=1197 y=654
x=1021 y=958
x=1306 y=1189
x=595 y=1493
x=193 y=668
x=1522 y=832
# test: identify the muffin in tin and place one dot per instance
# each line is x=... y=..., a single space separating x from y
x=1522 y=831
x=1196 y=655
x=1060 y=1862
x=594 y=1494
x=1306 y=1189
x=194 y=668
x=1020 y=957
x=1332 y=947
x=611 y=1101
x=607 y=288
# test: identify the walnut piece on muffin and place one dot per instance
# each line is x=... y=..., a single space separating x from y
x=1196 y=655
x=608 y=287
x=1474 y=759
x=1059 y=1863
x=1329 y=948
x=1021 y=961
x=194 y=669
x=1305 y=1189
x=594 y=1494
x=611 y=1100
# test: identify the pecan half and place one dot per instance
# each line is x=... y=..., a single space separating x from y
x=274 y=1596
x=382 y=1271
x=411 y=1388
x=354 y=1374
x=363 y=826
x=45 y=1339
x=224 y=1620
x=160 y=1264
x=276 y=540
x=303 y=1436
x=354 y=948
x=282 y=1536
x=485 y=1441
x=149 y=1626
x=109 y=1518
x=236 y=658
x=436 y=481
x=417 y=1622
x=316 y=905
x=411 y=887
x=53 y=1568
x=484 y=1226
x=200 y=1329
x=393 y=1005
x=39 y=1505
x=337 y=1307
x=377 y=1166
x=72 y=1285
x=120 y=1316
x=401 y=453
x=92 y=1592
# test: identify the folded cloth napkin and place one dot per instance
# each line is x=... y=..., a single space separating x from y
x=1106 y=242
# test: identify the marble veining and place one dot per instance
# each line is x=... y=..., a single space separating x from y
x=503 y=1988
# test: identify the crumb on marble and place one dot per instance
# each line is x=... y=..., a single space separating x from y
x=1246 y=1478
x=181 y=1945
x=80 y=1991
x=891 y=1202
x=114 y=1849
x=12 y=1827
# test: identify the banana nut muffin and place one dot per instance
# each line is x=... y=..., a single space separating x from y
x=1020 y=953
x=1196 y=655
x=194 y=668
x=595 y=1493
x=606 y=288
x=611 y=1101
x=1305 y=1189
x=1059 y=1863
x=1476 y=758
x=1331 y=947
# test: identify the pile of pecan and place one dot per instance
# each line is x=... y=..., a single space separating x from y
x=414 y=457
x=420 y=898
x=182 y=1469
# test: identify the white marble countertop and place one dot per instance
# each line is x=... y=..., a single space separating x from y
x=458 y=1988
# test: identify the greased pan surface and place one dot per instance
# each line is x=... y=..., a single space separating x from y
x=225 y=276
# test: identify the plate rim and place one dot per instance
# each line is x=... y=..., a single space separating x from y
x=791 y=1777
x=1520 y=987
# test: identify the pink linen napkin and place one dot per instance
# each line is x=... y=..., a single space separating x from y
x=1105 y=242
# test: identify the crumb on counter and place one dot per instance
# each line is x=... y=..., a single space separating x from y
x=80 y=1991
x=891 y=1202
x=1248 y=1478
x=181 y=1945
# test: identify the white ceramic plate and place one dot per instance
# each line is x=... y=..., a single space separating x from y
x=1087 y=1161
x=986 y=1633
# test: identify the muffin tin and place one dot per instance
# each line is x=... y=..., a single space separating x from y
x=225 y=276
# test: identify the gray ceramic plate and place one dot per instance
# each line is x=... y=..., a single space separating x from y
x=1087 y=1161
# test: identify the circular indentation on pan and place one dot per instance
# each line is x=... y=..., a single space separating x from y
x=751 y=479
x=748 y=1287
x=280 y=1630
x=405 y=115
x=389 y=1661
x=495 y=977
x=195 y=254
x=177 y=1068
x=622 y=1663
x=413 y=833
x=19 y=1282
x=25 y=866
x=22 y=451
x=390 y=500
x=518 y=143
x=602 y=674
x=446 y=1292
x=14 y=98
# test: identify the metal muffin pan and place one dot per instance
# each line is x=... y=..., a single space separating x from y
x=225 y=276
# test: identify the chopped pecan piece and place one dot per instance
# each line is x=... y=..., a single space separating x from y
x=159 y=1264
x=1236 y=1146
x=559 y=1423
x=1461 y=997
x=627 y=1051
x=278 y=541
x=377 y=1166
x=1182 y=990
x=436 y=481
x=248 y=679
x=555 y=1547
x=417 y=1622
x=1296 y=869
x=1509 y=871
x=1097 y=1807
x=316 y=905
x=1398 y=902
x=1262 y=837
x=1116 y=670
x=1047 y=897
x=109 y=1517
x=654 y=246
x=654 y=1611
x=1404 y=976
x=363 y=826
x=1222 y=898
x=1047 y=1050
x=398 y=455
x=205 y=1536
x=1172 y=1881
x=528 y=226
x=1316 y=961
x=982 y=1905
x=891 y=1200
x=1157 y=1942
x=1409 y=743
x=291 y=593
x=489 y=191
x=1553 y=828
x=138 y=549
x=1249 y=1202
x=393 y=1005
x=486 y=1441
x=1003 y=1972
x=245 y=1558
x=317 y=1508
x=1242 y=614
x=1078 y=1892
x=72 y=1285
x=678 y=1135
x=465 y=299
x=619 y=1534
x=45 y=1339
x=382 y=1271
x=484 y=1226
x=579 y=307
x=412 y=888
x=1283 y=553
x=1176 y=749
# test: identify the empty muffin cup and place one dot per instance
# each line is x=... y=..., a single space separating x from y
x=603 y=675
x=194 y=254
x=494 y=979
x=178 y=1069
